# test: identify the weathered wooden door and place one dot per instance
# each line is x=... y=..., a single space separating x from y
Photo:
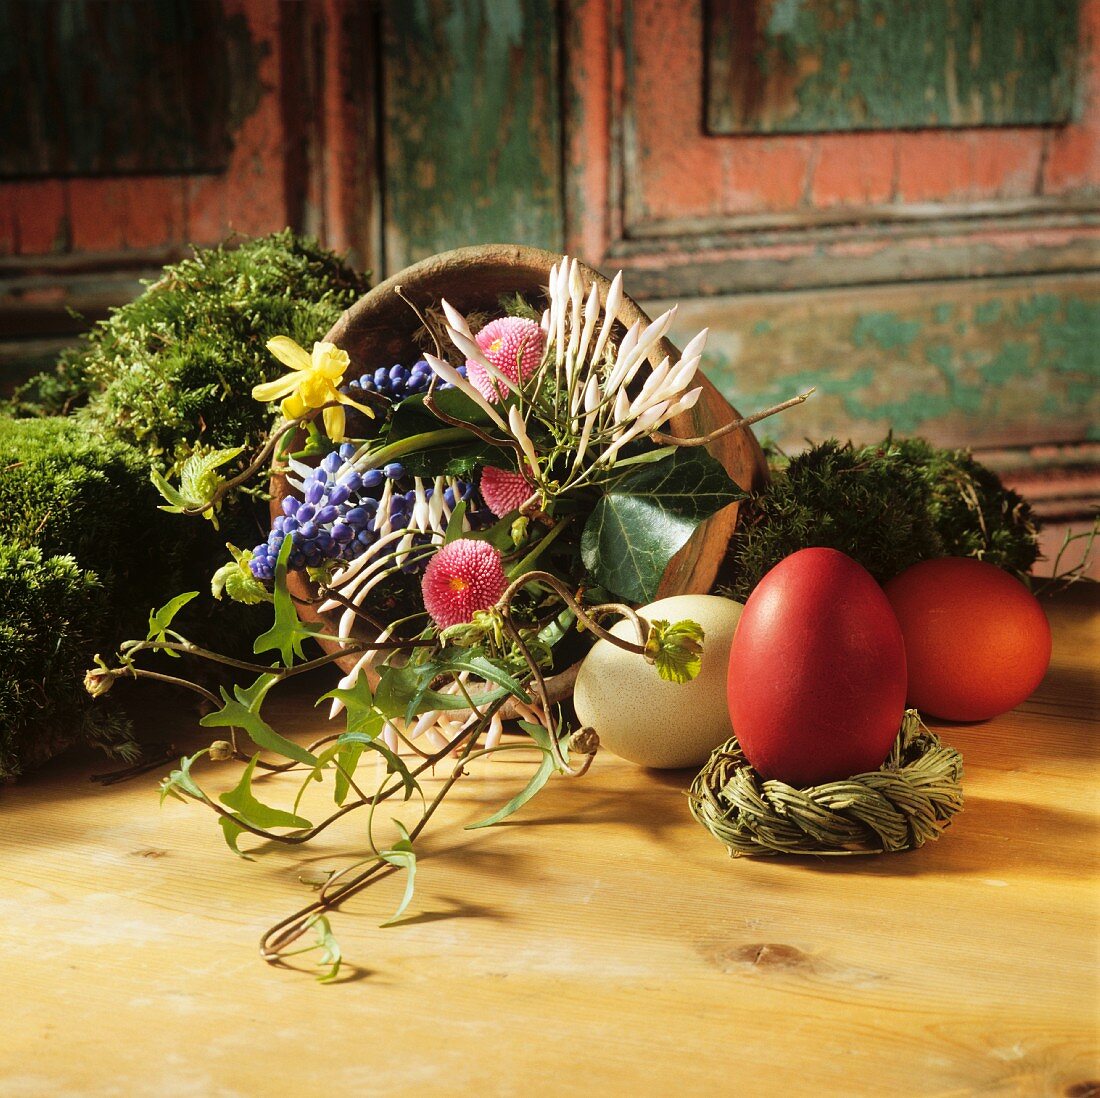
x=893 y=200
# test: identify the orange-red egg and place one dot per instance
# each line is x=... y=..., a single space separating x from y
x=977 y=641
x=816 y=683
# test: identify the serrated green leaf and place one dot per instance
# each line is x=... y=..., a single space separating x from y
x=676 y=649
x=647 y=516
x=177 y=504
x=235 y=579
x=287 y=632
x=401 y=855
x=538 y=779
x=199 y=480
x=243 y=801
x=242 y=711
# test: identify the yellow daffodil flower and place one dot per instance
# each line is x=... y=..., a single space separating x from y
x=311 y=384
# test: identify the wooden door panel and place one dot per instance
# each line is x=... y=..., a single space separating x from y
x=989 y=364
x=821 y=65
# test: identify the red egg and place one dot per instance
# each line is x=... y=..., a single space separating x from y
x=977 y=640
x=817 y=671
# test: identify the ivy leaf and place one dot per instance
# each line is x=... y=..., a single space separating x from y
x=330 y=950
x=358 y=702
x=538 y=779
x=647 y=516
x=402 y=855
x=231 y=832
x=404 y=692
x=243 y=711
x=243 y=801
x=363 y=722
x=160 y=620
x=394 y=763
x=180 y=781
x=287 y=632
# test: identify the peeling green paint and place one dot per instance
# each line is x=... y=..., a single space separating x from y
x=1014 y=360
x=472 y=126
x=888 y=330
x=788 y=66
x=989 y=312
x=983 y=363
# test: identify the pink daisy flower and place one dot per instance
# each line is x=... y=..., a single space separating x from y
x=503 y=490
x=514 y=346
x=462 y=578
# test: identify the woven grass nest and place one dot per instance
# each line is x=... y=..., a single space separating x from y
x=909 y=800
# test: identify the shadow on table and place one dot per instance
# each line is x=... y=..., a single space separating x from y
x=990 y=837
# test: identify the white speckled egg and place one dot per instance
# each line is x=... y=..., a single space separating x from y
x=643 y=718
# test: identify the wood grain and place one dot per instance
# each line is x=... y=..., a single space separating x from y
x=601 y=943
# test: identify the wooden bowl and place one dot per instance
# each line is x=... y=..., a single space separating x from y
x=379 y=329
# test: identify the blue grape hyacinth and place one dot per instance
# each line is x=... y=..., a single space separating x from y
x=343 y=512
x=397 y=382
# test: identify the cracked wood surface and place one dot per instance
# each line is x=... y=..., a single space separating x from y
x=598 y=943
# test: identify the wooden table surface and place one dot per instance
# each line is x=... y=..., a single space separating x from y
x=598 y=943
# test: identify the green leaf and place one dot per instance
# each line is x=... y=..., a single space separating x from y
x=402 y=855
x=538 y=779
x=358 y=702
x=676 y=649
x=454 y=523
x=235 y=579
x=287 y=632
x=330 y=950
x=177 y=502
x=347 y=759
x=243 y=711
x=454 y=459
x=394 y=763
x=403 y=692
x=180 y=781
x=646 y=517
x=242 y=800
x=160 y=620
x=199 y=482
x=231 y=832
x=460 y=659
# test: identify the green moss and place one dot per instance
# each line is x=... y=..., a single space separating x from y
x=169 y=371
x=51 y=611
x=65 y=489
x=177 y=366
x=887 y=506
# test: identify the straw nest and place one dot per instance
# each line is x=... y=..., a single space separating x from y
x=907 y=801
